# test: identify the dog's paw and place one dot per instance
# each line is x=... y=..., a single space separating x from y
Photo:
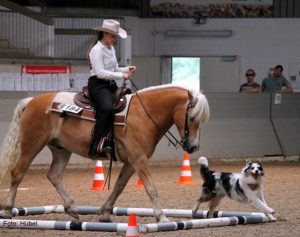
x=271 y=217
x=268 y=210
x=271 y=211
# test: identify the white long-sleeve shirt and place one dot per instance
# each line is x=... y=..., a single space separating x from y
x=104 y=63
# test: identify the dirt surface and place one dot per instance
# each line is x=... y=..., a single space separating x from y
x=282 y=193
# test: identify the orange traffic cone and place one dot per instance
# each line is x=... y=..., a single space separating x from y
x=132 y=229
x=139 y=184
x=98 y=184
x=186 y=174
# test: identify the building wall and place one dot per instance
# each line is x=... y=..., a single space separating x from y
x=31 y=37
x=260 y=43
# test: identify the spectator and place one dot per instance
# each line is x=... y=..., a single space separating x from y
x=250 y=85
x=276 y=82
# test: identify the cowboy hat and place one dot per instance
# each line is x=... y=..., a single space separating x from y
x=112 y=27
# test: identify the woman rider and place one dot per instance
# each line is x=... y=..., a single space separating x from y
x=102 y=85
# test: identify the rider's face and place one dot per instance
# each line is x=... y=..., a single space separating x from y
x=109 y=39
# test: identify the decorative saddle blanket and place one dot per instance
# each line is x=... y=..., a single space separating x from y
x=63 y=103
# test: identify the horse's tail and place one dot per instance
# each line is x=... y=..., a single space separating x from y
x=10 y=149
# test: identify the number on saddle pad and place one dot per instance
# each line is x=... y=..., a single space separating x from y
x=72 y=108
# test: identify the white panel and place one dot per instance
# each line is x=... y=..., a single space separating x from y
x=17 y=77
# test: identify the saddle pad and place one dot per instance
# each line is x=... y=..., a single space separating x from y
x=67 y=98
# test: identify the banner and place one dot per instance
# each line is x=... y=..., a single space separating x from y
x=43 y=69
x=211 y=8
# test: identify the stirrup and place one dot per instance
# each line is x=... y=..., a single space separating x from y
x=103 y=147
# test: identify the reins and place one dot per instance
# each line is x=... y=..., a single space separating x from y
x=175 y=142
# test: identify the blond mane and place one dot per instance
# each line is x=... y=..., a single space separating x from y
x=201 y=110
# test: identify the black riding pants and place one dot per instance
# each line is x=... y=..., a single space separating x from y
x=101 y=92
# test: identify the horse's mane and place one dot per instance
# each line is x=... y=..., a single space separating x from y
x=201 y=110
x=166 y=86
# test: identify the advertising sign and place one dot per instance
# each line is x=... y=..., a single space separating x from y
x=44 y=69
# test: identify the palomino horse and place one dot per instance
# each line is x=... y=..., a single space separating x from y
x=152 y=112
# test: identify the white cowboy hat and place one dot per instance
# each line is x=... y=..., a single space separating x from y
x=112 y=27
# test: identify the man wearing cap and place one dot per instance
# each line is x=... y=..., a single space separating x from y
x=101 y=84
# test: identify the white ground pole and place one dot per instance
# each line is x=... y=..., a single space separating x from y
x=122 y=227
x=223 y=219
x=121 y=211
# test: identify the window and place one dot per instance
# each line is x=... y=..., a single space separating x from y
x=186 y=72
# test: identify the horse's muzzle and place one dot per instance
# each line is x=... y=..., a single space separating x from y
x=190 y=147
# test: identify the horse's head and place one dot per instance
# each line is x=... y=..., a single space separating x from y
x=190 y=118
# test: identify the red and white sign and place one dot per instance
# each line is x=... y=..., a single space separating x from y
x=44 y=69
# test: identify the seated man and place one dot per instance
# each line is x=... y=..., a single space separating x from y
x=276 y=82
x=250 y=85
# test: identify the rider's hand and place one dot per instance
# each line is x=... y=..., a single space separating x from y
x=132 y=69
x=126 y=76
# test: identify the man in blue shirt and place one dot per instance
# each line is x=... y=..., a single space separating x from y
x=276 y=82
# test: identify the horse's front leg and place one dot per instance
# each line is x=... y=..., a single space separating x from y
x=143 y=171
x=126 y=172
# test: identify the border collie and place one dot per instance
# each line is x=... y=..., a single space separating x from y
x=246 y=187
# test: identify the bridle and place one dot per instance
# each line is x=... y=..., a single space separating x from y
x=171 y=138
x=192 y=103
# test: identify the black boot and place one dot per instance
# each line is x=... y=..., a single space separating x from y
x=93 y=148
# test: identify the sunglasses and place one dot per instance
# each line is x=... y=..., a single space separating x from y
x=250 y=75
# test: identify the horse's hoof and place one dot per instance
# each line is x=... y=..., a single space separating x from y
x=73 y=211
x=194 y=213
x=99 y=212
x=105 y=219
x=3 y=215
x=164 y=220
x=104 y=215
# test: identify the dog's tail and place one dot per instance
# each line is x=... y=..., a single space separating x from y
x=204 y=171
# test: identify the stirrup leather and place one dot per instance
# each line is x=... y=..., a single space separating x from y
x=103 y=147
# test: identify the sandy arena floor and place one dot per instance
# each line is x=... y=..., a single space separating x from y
x=282 y=193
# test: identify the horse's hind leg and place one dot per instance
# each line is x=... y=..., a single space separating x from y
x=17 y=175
x=126 y=172
x=60 y=160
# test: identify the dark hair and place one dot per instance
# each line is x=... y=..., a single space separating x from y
x=279 y=66
x=250 y=70
x=99 y=38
